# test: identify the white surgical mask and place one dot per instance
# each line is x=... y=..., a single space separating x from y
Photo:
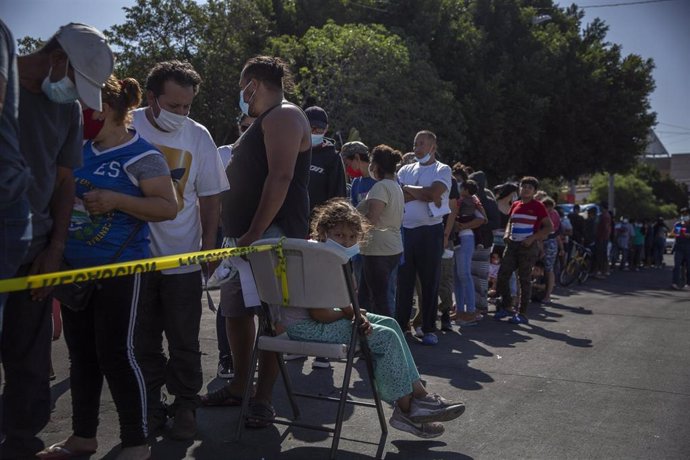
x=169 y=121
x=424 y=159
x=349 y=252
x=316 y=139
x=244 y=106
x=62 y=91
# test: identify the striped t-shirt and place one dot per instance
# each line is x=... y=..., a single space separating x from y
x=525 y=219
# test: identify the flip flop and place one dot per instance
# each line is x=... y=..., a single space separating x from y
x=60 y=452
x=221 y=397
x=261 y=415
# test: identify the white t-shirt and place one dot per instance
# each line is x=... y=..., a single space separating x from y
x=225 y=152
x=197 y=171
x=418 y=213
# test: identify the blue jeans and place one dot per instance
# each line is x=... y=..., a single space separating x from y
x=464 y=284
x=681 y=255
x=15 y=237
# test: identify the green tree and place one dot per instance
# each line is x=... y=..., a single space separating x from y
x=216 y=37
x=664 y=188
x=371 y=79
x=634 y=197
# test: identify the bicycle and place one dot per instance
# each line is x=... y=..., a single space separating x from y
x=578 y=267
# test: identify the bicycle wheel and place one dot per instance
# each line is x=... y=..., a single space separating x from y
x=584 y=270
x=569 y=273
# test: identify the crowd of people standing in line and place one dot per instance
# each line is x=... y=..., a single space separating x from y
x=88 y=183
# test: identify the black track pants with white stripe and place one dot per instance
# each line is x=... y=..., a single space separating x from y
x=100 y=340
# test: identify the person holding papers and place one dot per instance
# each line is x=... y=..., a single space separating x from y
x=426 y=185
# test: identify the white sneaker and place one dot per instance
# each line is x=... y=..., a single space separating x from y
x=401 y=422
x=435 y=408
x=418 y=332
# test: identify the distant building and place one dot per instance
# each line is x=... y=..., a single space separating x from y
x=676 y=166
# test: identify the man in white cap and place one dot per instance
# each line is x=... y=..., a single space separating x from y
x=72 y=66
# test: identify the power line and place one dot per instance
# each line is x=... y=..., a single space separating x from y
x=674 y=126
x=642 y=2
x=672 y=133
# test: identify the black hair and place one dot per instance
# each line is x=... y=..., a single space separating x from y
x=530 y=180
x=50 y=46
x=459 y=170
x=181 y=72
x=269 y=69
x=471 y=186
x=385 y=158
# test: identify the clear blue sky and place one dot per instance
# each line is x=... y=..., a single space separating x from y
x=658 y=30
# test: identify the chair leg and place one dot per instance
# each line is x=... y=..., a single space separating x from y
x=288 y=386
x=247 y=389
x=341 y=405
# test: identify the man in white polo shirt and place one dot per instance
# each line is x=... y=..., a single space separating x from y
x=172 y=298
x=426 y=184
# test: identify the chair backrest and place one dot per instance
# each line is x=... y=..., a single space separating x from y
x=315 y=274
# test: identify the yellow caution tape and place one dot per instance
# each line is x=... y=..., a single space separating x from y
x=142 y=266
x=281 y=271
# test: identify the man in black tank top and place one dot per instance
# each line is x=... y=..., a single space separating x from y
x=268 y=196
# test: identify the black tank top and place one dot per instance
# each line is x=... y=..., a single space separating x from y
x=247 y=173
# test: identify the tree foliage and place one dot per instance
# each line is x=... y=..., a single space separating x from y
x=634 y=197
x=505 y=93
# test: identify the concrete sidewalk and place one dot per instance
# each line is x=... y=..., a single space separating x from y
x=603 y=372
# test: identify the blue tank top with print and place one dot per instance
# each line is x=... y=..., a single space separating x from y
x=96 y=239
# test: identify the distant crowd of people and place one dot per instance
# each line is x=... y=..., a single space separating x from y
x=88 y=177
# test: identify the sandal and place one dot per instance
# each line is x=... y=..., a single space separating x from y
x=221 y=397
x=60 y=452
x=261 y=414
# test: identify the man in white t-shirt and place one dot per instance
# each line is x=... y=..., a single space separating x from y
x=172 y=298
x=425 y=184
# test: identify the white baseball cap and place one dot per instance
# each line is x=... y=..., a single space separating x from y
x=91 y=58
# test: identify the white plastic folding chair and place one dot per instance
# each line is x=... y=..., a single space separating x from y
x=318 y=276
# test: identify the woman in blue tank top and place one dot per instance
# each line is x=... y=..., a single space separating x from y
x=123 y=183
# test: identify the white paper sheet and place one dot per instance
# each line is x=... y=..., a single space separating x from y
x=439 y=211
x=249 y=291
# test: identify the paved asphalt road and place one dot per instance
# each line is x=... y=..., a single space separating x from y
x=602 y=373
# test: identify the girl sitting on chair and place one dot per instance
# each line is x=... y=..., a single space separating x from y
x=339 y=225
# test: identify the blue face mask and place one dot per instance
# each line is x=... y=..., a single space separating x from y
x=424 y=159
x=62 y=91
x=316 y=139
x=244 y=106
x=349 y=252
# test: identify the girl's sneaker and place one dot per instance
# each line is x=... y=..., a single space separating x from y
x=402 y=422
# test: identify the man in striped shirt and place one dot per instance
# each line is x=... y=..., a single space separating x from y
x=529 y=223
